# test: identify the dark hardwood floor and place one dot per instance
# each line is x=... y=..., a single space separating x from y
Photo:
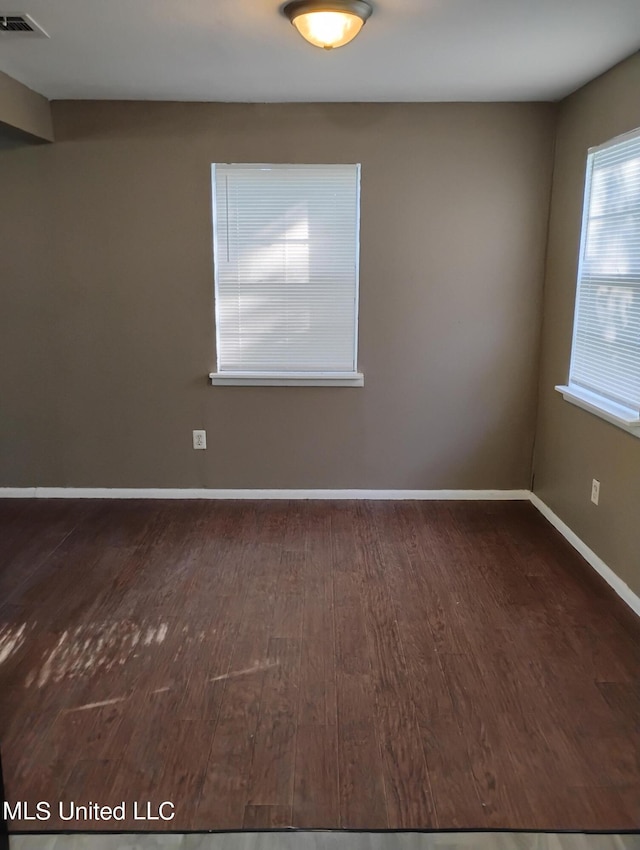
x=315 y=664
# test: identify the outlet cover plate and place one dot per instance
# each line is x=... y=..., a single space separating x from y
x=199 y=439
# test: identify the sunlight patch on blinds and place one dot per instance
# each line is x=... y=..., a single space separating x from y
x=606 y=345
x=286 y=267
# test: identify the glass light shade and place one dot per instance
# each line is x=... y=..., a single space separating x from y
x=328 y=29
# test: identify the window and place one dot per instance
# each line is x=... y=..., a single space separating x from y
x=605 y=357
x=286 y=274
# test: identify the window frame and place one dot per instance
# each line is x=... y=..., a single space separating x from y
x=284 y=378
x=596 y=403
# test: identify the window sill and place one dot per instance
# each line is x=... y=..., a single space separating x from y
x=616 y=414
x=287 y=379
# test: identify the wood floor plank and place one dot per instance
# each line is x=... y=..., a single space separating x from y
x=315 y=801
x=224 y=791
x=454 y=792
x=403 y=758
x=317 y=664
x=272 y=769
x=624 y=701
x=317 y=700
x=499 y=787
x=29 y=538
x=455 y=795
x=267 y=817
x=363 y=803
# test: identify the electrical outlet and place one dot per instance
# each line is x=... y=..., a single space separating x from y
x=595 y=491
x=199 y=439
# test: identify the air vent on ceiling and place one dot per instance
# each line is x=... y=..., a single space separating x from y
x=20 y=24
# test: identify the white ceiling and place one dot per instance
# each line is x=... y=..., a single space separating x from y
x=245 y=50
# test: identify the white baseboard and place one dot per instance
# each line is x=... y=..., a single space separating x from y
x=621 y=588
x=166 y=493
x=18 y=492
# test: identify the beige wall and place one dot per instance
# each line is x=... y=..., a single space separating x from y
x=573 y=446
x=108 y=318
x=23 y=110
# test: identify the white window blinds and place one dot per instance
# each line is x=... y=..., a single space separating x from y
x=286 y=268
x=605 y=356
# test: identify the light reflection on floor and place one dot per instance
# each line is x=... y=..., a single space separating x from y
x=92 y=648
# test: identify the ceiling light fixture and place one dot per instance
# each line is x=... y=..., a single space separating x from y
x=328 y=23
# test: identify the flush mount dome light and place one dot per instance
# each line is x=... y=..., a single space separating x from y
x=328 y=23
